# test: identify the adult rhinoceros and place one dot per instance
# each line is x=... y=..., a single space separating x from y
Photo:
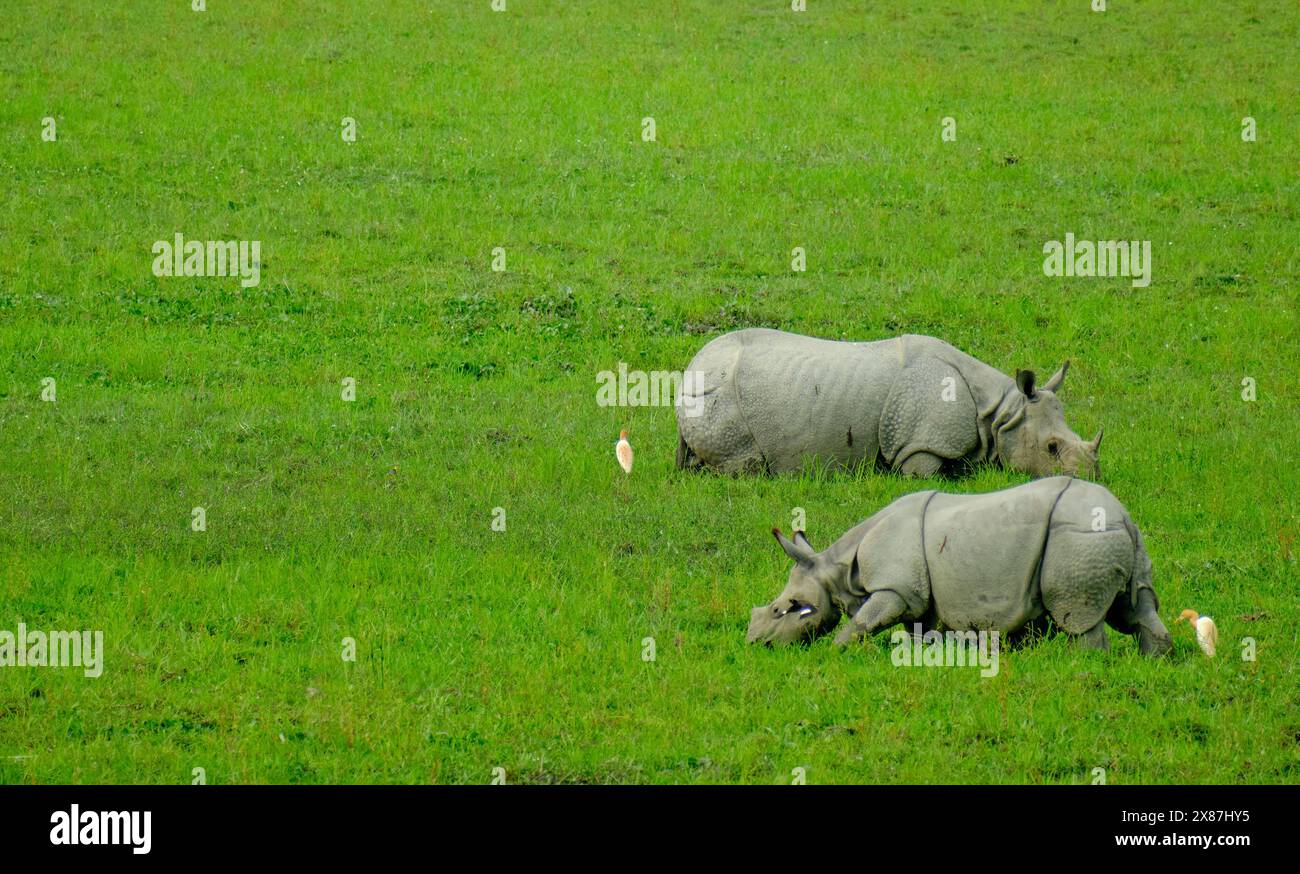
x=760 y=400
x=1059 y=547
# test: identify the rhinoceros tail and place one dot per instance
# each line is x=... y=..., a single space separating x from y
x=1141 y=576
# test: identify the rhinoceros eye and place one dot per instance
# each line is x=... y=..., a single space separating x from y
x=1054 y=447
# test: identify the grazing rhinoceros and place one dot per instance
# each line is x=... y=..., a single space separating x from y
x=760 y=400
x=1060 y=547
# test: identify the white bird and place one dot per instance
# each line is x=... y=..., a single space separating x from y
x=623 y=451
x=1207 y=634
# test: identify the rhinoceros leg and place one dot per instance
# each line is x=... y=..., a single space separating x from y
x=1095 y=637
x=1142 y=620
x=1153 y=639
x=1140 y=614
x=686 y=457
x=883 y=609
x=921 y=464
x=929 y=412
x=1036 y=628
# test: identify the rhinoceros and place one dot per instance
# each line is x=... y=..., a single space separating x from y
x=1058 y=547
x=761 y=400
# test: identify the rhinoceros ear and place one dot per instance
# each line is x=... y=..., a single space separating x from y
x=801 y=540
x=1054 y=384
x=1025 y=382
x=801 y=554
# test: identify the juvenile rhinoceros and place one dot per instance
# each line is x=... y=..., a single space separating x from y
x=760 y=400
x=1059 y=547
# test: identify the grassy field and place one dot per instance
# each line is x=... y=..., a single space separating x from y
x=372 y=519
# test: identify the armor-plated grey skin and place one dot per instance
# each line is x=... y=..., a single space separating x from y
x=767 y=401
x=1059 y=547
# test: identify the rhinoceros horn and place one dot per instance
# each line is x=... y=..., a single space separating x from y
x=1096 y=441
x=798 y=549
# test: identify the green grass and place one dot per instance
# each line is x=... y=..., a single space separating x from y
x=372 y=520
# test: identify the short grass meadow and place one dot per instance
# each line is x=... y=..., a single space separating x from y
x=372 y=519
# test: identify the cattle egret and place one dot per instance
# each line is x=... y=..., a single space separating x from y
x=623 y=450
x=1207 y=635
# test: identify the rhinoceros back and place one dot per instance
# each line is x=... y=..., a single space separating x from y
x=1057 y=545
x=983 y=554
x=772 y=399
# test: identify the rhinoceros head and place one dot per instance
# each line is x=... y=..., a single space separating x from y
x=804 y=609
x=1036 y=439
